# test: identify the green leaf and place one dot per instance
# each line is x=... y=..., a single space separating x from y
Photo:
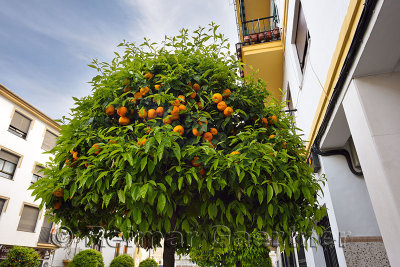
x=128 y=179
x=270 y=193
x=185 y=226
x=260 y=222
x=270 y=210
x=260 y=195
x=168 y=178
x=121 y=196
x=150 y=166
x=180 y=181
x=143 y=163
x=137 y=215
x=143 y=190
x=177 y=151
x=161 y=203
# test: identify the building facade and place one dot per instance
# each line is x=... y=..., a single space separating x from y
x=337 y=63
x=25 y=133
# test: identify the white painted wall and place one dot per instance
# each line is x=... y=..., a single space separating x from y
x=16 y=189
x=372 y=108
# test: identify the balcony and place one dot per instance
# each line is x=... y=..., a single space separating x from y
x=262 y=49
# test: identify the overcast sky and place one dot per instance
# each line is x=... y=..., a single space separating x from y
x=45 y=45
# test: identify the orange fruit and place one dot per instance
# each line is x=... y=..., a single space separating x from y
x=200 y=105
x=264 y=121
x=196 y=87
x=228 y=112
x=59 y=193
x=148 y=129
x=144 y=90
x=235 y=153
x=66 y=161
x=160 y=111
x=75 y=155
x=216 y=98
x=221 y=106
x=284 y=145
x=190 y=84
x=127 y=89
x=201 y=120
x=179 y=129
x=175 y=117
x=175 y=110
x=97 y=149
x=124 y=121
x=142 y=113
x=208 y=136
x=181 y=98
x=195 y=132
x=151 y=114
x=57 y=205
x=213 y=131
x=86 y=165
x=143 y=141
x=194 y=162
x=226 y=93
x=110 y=110
x=122 y=111
x=271 y=136
x=182 y=107
x=157 y=87
x=167 y=120
x=273 y=118
x=176 y=102
x=193 y=95
x=148 y=75
x=126 y=81
x=202 y=171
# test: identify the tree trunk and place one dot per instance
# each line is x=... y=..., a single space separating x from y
x=169 y=252
x=238 y=264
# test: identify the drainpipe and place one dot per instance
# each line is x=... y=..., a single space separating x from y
x=369 y=6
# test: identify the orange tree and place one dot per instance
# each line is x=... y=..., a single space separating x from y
x=172 y=139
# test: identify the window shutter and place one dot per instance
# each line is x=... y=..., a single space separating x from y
x=2 y=203
x=9 y=157
x=28 y=219
x=49 y=141
x=20 y=122
x=301 y=36
x=38 y=171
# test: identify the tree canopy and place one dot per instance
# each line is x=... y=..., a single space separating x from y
x=172 y=139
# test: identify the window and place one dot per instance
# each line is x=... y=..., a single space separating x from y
x=2 y=204
x=8 y=164
x=302 y=37
x=37 y=174
x=28 y=219
x=44 y=236
x=49 y=141
x=19 y=125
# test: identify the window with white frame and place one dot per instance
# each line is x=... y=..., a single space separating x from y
x=28 y=220
x=8 y=164
x=49 y=140
x=19 y=125
x=37 y=174
x=3 y=203
x=302 y=37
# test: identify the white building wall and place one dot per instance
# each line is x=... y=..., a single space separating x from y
x=16 y=189
x=372 y=107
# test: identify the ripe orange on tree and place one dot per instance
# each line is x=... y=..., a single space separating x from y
x=228 y=112
x=124 y=121
x=195 y=132
x=126 y=81
x=194 y=162
x=216 y=98
x=202 y=171
x=175 y=117
x=127 y=89
x=200 y=105
x=175 y=110
x=167 y=120
x=157 y=87
x=97 y=149
x=264 y=122
x=110 y=110
x=221 y=106
x=122 y=111
x=142 y=113
x=179 y=129
x=176 y=102
x=160 y=111
x=226 y=93
x=235 y=153
x=181 y=98
x=213 y=131
x=57 y=205
x=148 y=75
x=193 y=95
x=59 y=192
x=182 y=107
x=273 y=119
x=208 y=136
x=271 y=136
x=196 y=87
x=151 y=114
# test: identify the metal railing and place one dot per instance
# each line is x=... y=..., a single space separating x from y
x=259 y=25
